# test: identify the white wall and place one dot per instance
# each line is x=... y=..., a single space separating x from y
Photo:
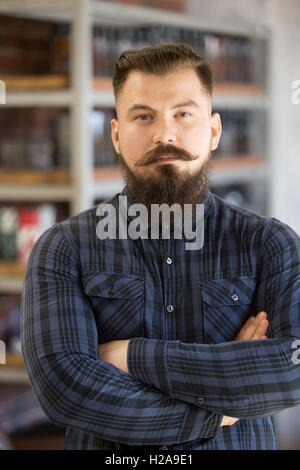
x=283 y=20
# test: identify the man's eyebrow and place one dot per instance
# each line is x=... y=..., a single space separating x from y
x=178 y=105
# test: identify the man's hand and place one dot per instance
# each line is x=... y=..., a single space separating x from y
x=115 y=352
x=254 y=328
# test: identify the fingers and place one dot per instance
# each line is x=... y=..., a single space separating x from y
x=244 y=329
x=254 y=328
x=261 y=329
x=228 y=421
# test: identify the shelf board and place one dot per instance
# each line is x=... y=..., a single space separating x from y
x=107 y=173
x=31 y=98
x=108 y=181
x=39 y=192
x=102 y=83
x=232 y=171
x=37 y=90
x=13 y=371
x=11 y=285
x=13 y=375
x=54 y=185
x=15 y=361
x=11 y=276
x=30 y=177
x=239 y=88
x=229 y=162
x=52 y=10
x=34 y=82
x=12 y=269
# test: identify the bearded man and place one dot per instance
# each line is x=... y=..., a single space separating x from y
x=139 y=342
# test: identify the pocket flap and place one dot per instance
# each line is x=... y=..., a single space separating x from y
x=229 y=291
x=113 y=286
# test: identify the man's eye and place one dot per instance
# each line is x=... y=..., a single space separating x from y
x=185 y=112
x=142 y=116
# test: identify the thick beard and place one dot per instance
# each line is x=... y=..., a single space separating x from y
x=170 y=186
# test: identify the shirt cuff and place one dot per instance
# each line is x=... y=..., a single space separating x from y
x=199 y=424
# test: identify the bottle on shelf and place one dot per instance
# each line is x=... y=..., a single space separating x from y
x=28 y=232
x=33 y=221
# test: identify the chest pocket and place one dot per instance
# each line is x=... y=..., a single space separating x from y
x=227 y=304
x=118 y=304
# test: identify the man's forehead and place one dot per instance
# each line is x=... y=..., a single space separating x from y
x=138 y=78
x=139 y=84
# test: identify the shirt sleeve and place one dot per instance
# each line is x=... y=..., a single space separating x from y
x=243 y=379
x=60 y=348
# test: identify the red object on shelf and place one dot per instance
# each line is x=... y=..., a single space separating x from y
x=29 y=216
x=28 y=232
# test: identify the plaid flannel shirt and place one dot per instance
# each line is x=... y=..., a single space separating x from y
x=182 y=310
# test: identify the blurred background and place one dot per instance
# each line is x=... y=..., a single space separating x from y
x=56 y=155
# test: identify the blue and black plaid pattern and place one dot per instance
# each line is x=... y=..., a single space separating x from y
x=182 y=310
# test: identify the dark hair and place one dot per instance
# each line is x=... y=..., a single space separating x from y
x=159 y=60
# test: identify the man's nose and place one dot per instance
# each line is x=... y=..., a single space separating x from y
x=164 y=133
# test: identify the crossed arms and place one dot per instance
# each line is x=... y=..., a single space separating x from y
x=154 y=405
x=115 y=352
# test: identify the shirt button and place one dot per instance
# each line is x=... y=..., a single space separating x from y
x=170 y=308
x=169 y=260
x=201 y=400
x=235 y=297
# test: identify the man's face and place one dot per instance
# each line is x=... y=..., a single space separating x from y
x=165 y=127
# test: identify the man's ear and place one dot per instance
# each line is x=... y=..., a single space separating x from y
x=115 y=134
x=216 y=130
